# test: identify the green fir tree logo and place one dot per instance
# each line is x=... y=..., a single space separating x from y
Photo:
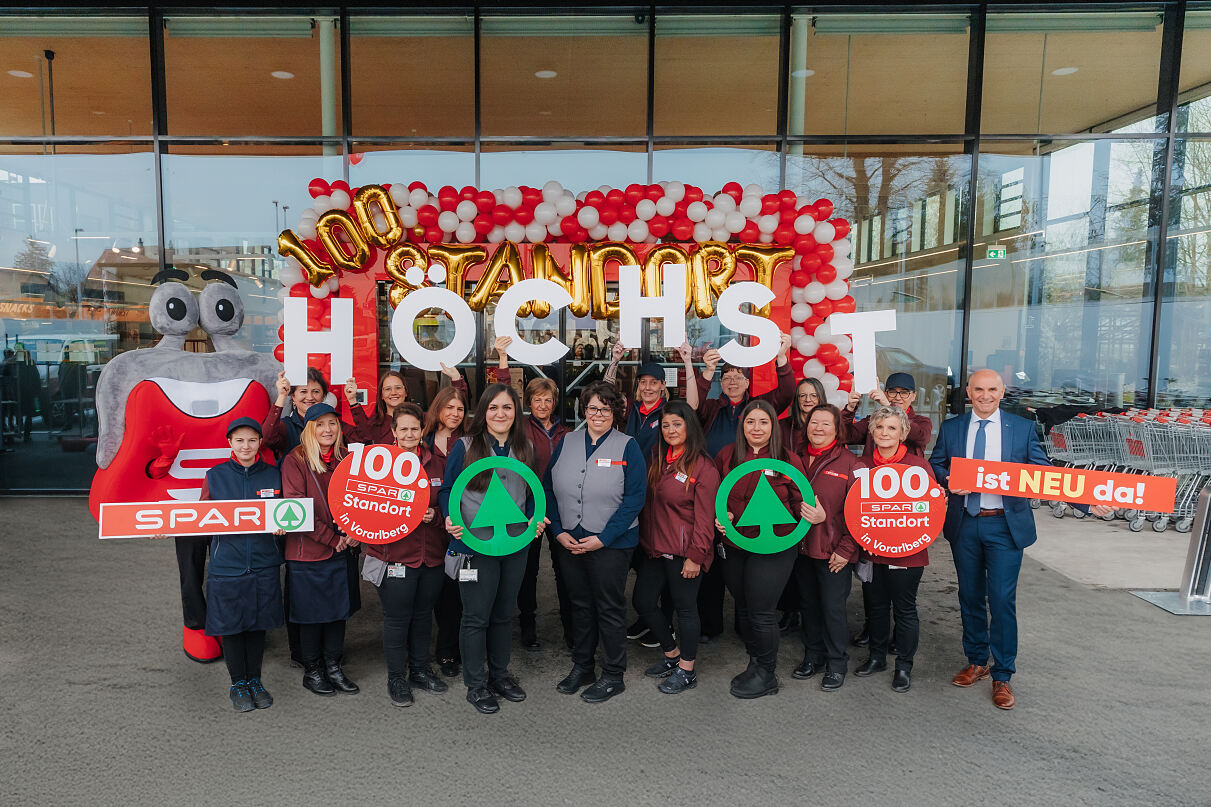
x=765 y=510
x=498 y=510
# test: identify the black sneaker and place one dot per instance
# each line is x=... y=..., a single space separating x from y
x=580 y=676
x=638 y=629
x=449 y=667
x=663 y=669
x=509 y=689
x=400 y=692
x=832 y=681
x=602 y=690
x=241 y=697
x=260 y=696
x=650 y=640
x=483 y=701
x=425 y=679
x=681 y=680
x=806 y=669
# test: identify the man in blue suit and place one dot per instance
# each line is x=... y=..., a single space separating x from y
x=987 y=533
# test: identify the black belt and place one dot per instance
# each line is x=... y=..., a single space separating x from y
x=985 y=513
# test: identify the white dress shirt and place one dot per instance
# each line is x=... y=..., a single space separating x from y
x=992 y=451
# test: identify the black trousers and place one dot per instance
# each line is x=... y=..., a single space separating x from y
x=710 y=599
x=408 y=617
x=322 y=642
x=243 y=653
x=597 y=585
x=822 y=596
x=486 y=631
x=448 y=611
x=894 y=590
x=659 y=577
x=789 y=601
x=527 y=598
x=191 y=563
x=756 y=581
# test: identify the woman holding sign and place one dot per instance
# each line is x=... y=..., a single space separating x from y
x=408 y=575
x=763 y=505
x=492 y=504
x=895 y=581
x=823 y=566
x=392 y=393
x=317 y=562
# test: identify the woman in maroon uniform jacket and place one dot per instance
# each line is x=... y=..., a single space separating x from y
x=677 y=536
x=823 y=568
x=895 y=581
x=392 y=393
x=756 y=579
x=408 y=574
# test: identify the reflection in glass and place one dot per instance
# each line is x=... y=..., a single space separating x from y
x=436 y=167
x=576 y=169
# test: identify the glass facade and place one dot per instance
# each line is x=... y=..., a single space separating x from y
x=1078 y=140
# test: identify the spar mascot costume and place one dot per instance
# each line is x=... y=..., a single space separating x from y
x=163 y=413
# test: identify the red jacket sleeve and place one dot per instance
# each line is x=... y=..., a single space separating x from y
x=702 y=539
x=273 y=430
x=920 y=429
x=204 y=496
x=780 y=396
x=844 y=543
x=359 y=431
x=855 y=430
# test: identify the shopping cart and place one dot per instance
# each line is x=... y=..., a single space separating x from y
x=1086 y=441
x=1173 y=444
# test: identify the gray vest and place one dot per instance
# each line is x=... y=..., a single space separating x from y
x=574 y=473
x=472 y=499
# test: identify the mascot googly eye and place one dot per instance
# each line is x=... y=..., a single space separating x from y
x=221 y=311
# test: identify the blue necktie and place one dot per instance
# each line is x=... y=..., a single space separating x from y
x=973 y=499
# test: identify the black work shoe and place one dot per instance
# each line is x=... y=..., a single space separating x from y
x=870 y=667
x=340 y=682
x=316 y=680
x=637 y=630
x=580 y=676
x=806 y=669
x=664 y=668
x=681 y=680
x=260 y=696
x=901 y=680
x=832 y=681
x=509 y=689
x=749 y=670
x=399 y=691
x=755 y=684
x=427 y=680
x=529 y=638
x=483 y=701
x=602 y=690
x=449 y=667
x=862 y=639
x=241 y=697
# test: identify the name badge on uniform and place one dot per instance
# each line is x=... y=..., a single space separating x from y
x=768 y=472
x=681 y=477
x=266 y=493
x=839 y=476
x=468 y=575
x=435 y=481
x=897 y=567
x=611 y=463
x=667 y=557
x=397 y=570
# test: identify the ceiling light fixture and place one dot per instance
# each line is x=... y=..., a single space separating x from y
x=1064 y=71
x=802 y=73
x=283 y=74
x=545 y=74
x=20 y=74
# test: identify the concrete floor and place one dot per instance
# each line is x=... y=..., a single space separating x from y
x=101 y=707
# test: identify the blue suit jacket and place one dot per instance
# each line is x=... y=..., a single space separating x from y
x=1019 y=443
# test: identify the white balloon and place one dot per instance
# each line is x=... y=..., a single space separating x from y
x=802 y=202
x=797 y=332
x=283 y=293
x=496 y=234
x=418 y=197
x=800 y=344
x=306 y=228
x=665 y=206
x=645 y=209
x=841 y=248
x=407 y=216
x=810 y=346
x=617 y=231
x=322 y=204
x=844 y=267
x=813 y=368
x=434 y=202
x=675 y=192
x=734 y=221
x=580 y=197
x=750 y=206
x=804 y=224
x=565 y=205
x=823 y=333
x=838 y=399
x=843 y=343
x=604 y=189
x=588 y=217
x=536 y=232
x=555 y=228
x=544 y=213
x=380 y=221
x=754 y=189
x=715 y=219
x=289 y=275
x=551 y=191
x=598 y=232
x=465 y=232
x=308 y=213
x=447 y=220
x=824 y=232
x=515 y=232
x=466 y=210
x=724 y=202
x=814 y=292
x=319 y=292
x=797 y=294
x=399 y=193
x=340 y=199
x=696 y=211
x=722 y=234
x=499 y=193
x=836 y=290
x=767 y=224
x=702 y=233
x=800 y=312
x=513 y=197
x=766 y=238
x=831 y=383
x=637 y=230
x=334 y=285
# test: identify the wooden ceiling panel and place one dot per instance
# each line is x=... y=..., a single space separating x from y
x=710 y=85
x=422 y=86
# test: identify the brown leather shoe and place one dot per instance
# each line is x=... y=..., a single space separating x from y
x=969 y=675
x=1002 y=695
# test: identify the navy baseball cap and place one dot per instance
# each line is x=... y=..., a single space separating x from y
x=651 y=368
x=901 y=381
x=317 y=411
x=243 y=423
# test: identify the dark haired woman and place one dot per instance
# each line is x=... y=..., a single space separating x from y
x=282 y=432
x=596 y=484
x=392 y=391
x=489 y=583
x=756 y=579
x=823 y=567
x=809 y=393
x=677 y=537
x=408 y=574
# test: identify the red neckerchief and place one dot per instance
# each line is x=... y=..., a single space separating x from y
x=894 y=458
x=645 y=411
x=815 y=452
x=326 y=457
x=908 y=411
x=670 y=457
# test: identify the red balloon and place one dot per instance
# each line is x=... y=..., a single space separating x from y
x=824 y=252
x=659 y=226
x=693 y=194
x=483 y=224
x=578 y=235
x=787 y=198
x=418 y=185
x=608 y=215
x=340 y=185
x=468 y=194
x=594 y=198
x=532 y=196
x=846 y=305
x=784 y=234
x=524 y=215
x=316 y=308
x=300 y=290
x=811 y=262
x=812 y=323
x=501 y=214
x=827 y=352
x=485 y=201
x=788 y=215
x=800 y=278
x=733 y=189
x=797 y=361
x=615 y=197
x=426 y=215
x=683 y=229
x=824 y=208
x=569 y=225
x=326 y=319
x=447 y=202
x=805 y=244
x=447 y=192
x=770 y=204
x=279 y=353
x=823 y=308
x=807 y=210
x=841 y=226
x=634 y=193
x=627 y=214
x=846 y=384
x=281 y=332
x=318 y=187
x=750 y=234
x=654 y=192
x=826 y=273
x=679 y=208
x=433 y=234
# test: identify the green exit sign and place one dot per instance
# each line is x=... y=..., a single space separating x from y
x=996 y=253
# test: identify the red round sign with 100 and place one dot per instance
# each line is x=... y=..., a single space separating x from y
x=379 y=493
x=894 y=511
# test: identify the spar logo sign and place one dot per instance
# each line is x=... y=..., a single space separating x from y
x=225 y=517
x=894 y=510
x=289 y=515
x=379 y=494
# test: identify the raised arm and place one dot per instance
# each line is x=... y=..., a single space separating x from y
x=691 y=385
x=616 y=354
